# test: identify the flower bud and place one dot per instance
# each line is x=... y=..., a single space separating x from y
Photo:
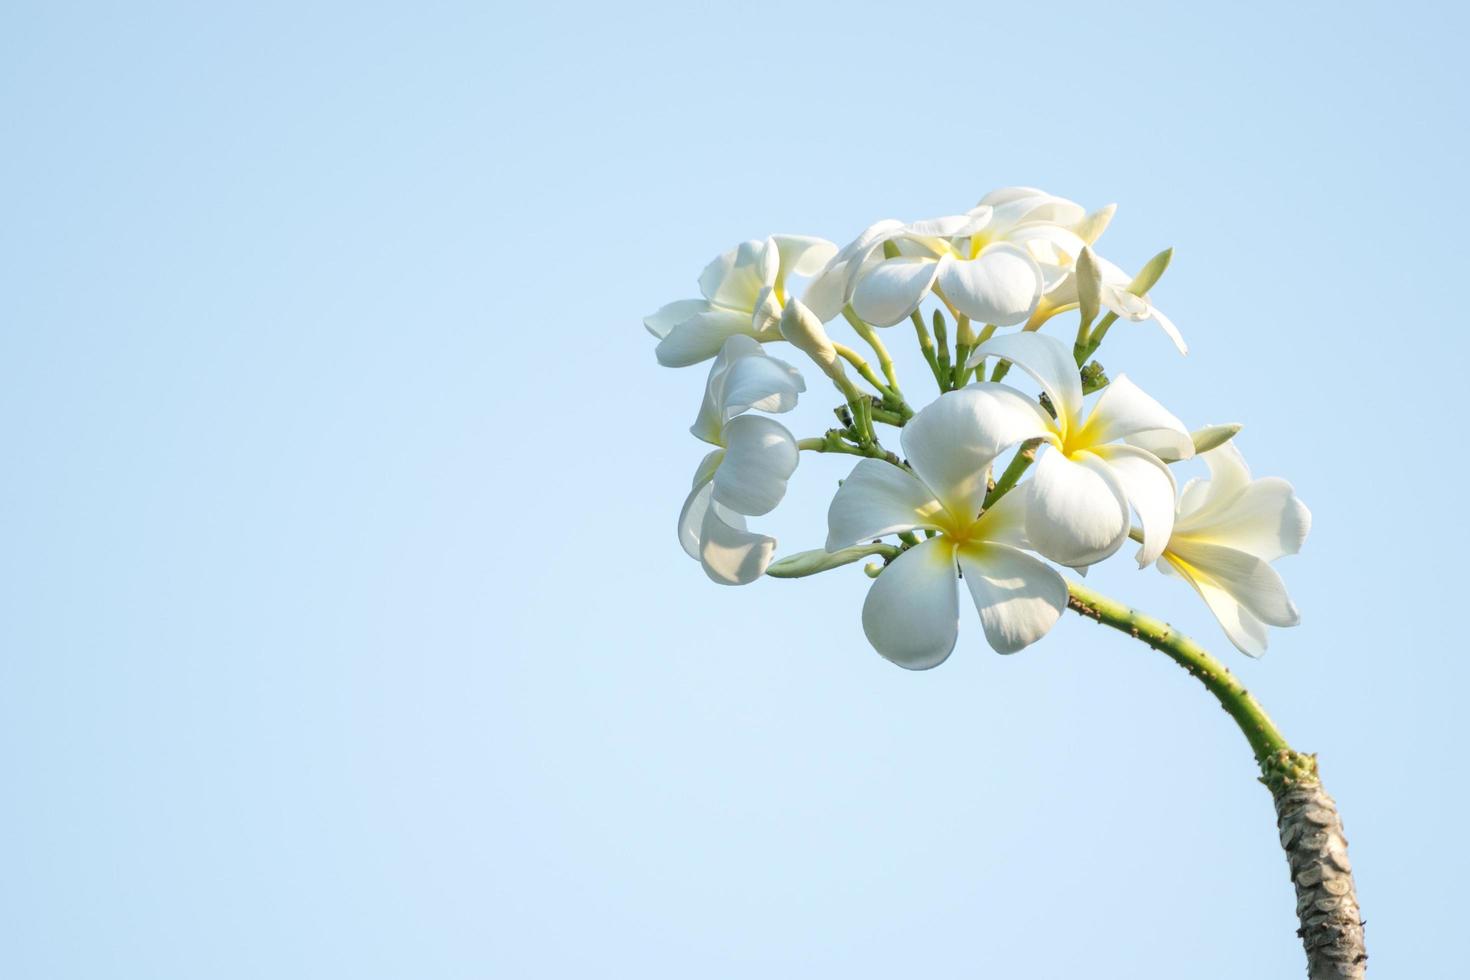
x=1089 y=286
x=1213 y=436
x=1151 y=273
x=807 y=563
x=801 y=327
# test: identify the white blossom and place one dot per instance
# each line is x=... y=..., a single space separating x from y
x=993 y=263
x=744 y=290
x=1115 y=297
x=1227 y=531
x=746 y=475
x=911 y=615
x=1087 y=478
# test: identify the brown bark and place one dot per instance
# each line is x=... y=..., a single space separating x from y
x=1326 y=901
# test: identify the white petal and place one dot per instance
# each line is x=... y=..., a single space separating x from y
x=1167 y=325
x=950 y=226
x=711 y=418
x=730 y=554
x=1202 y=500
x=1191 y=498
x=878 y=498
x=912 y=612
x=829 y=289
x=691 y=517
x=744 y=377
x=1090 y=228
x=1047 y=360
x=892 y=289
x=1078 y=513
x=1054 y=248
x=765 y=321
x=802 y=255
x=701 y=336
x=953 y=440
x=1036 y=207
x=1266 y=520
x=670 y=315
x=760 y=456
x=1125 y=410
x=762 y=383
x=1005 y=522
x=1002 y=285
x=1019 y=598
x=1006 y=195
x=1149 y=487
x=735 y=278
x=1245 y=631
x=1247 y=579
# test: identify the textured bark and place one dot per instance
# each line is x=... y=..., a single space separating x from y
x=1326 y=902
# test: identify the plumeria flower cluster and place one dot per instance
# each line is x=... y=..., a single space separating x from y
x=996 y=485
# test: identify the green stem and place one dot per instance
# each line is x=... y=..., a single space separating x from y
x=885 y=361
x=862 y=414
x=926 y=346
x=862 y=367
x=1079 y=346
x=834 y=442
x=1095 y=341
x=964 y=342
x=1277 y=759
x=888 y=418
x=941 y=341
x=1024 y=457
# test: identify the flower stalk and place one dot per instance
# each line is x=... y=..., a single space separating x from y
x=1307 y=818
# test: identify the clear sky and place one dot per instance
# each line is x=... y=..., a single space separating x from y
x=343 y=631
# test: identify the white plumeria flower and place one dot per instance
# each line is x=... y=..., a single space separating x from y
x=744 y=290
x=993 y=263
x=1114 y=296
x=747 y=474
x=1087 y=480
x=1228 y=529
x=911 y=615
x=744 y=377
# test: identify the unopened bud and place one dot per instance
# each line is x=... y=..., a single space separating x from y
x=1213 y=436
x=801 y=327
x=1089 y=286
x=807 y=563
x=1151 y=273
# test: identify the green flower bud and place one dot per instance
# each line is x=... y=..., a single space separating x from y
x=806 y=563
x=1213 y=436
x=1089 y=286
x=1151 y=273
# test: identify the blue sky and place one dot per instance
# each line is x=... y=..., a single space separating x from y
x=343 y=631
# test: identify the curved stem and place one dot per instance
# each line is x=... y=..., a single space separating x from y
x=941 y=343
x=885 y=360
x=834 y=442
x=1260 y=731
x=926 y=346
x=1024 y=457
x=1306 y=817
x=1098 y=333
x=862 y=367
